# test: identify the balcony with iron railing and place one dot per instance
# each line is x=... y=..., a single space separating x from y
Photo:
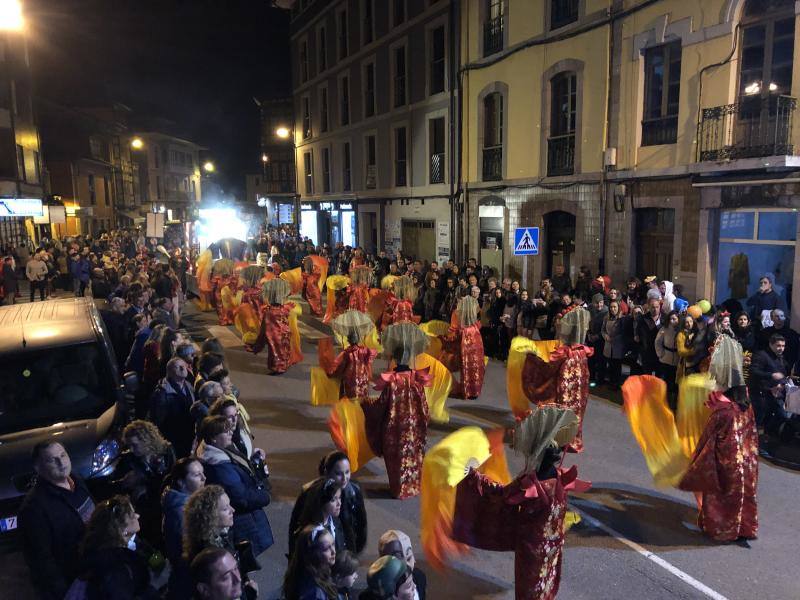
x=751 y=128
x=493 y=35
x=437 y=168
x=660 y=130
x=493 y=163
x=561 y=155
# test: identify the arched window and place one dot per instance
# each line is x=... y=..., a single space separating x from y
x=493 y=137
x=767 y=48
x=563 y=115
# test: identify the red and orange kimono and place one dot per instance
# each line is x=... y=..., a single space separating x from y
x=225 y=315
x=462 y=351
x=353 y=366
x=397 y=428
x=254 y=297
x=562 y=380
x=358 y=297
x=398 y=311
x=277 y=336
x=525 y=517
x=724 y=471
x=311 y=292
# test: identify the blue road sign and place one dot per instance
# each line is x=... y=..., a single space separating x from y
x=526 y=241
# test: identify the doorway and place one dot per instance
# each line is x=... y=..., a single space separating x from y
x=418 y=239
x=559 y=228
x=655 y=235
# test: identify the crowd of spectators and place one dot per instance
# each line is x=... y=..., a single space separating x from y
x=183 y=514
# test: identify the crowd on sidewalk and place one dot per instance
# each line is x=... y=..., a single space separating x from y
x=183 y=514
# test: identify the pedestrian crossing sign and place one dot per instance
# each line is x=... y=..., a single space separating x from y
x=526 y=241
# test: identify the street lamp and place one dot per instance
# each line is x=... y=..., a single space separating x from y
x=264 y=158
x=209 y=167
x=137 y=143
x=11 y=18
x=282 y=132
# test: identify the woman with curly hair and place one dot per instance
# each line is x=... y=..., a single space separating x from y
x=115 y=564
x=309 y=574
x=140 y=472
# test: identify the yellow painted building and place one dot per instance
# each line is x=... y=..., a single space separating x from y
x=642 y=137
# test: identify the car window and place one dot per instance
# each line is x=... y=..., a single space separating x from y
x=55 y=385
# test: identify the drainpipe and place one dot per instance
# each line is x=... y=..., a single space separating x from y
x=601 y=263
x=456 y=231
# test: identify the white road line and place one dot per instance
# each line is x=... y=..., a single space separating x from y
x=667 y=566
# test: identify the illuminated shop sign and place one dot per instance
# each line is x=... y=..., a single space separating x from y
x=20 y=207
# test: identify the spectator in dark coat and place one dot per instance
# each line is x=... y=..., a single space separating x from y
x=768 y=370
x=10 y=286
x=766 y=298
x=52 y=521
x=170 y=405
x=645 y=336
x=744 y=332
x=613 y=342
x=790 y=354
x=114 y=320
x=247 y=489
x=595 y=338
x=560 y=280
x=79 y=268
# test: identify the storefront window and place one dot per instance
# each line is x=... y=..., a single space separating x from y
x=308 y=225
x=752 y=244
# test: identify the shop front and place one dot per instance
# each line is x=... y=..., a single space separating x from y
x=329 y=222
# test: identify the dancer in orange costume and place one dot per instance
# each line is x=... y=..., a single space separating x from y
x=462 y=350
x=400 y=303
x=311 y=290
x=278 y=333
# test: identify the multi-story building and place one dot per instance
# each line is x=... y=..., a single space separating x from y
x=648 y=137
x=170 y=175
x=274 y=188
x=21 y=175
x=375 y=104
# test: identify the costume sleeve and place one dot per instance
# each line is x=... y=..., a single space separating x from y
x=261 y=339
x=702 y=474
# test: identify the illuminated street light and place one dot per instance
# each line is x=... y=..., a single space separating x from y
x=264 y=158
x=11 y=15
x=282 y=132
x=137 y=143
x=209 y=167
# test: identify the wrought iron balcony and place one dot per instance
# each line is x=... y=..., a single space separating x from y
x=662 y=130
x=437 y=168
x=561 y=155
x=493 y=35
x=751 y=128
x=493 y=163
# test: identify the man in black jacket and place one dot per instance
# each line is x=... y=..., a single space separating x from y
x=52 y=521
x=645 y=336
x=768 y=371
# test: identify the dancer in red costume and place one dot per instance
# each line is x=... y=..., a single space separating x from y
x=400 y=303
x=358 y=291
x=252 y=287
x=562 y=378
x=463 y=350
x=721 y=468
x=353 y=365
x=222 y=276
x=397 y=422
x=524 y=516
x=278 y=331
x=311 y=292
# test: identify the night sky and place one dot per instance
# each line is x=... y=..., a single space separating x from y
x=197 y=63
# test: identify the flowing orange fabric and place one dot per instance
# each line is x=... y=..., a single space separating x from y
x=653 y=426
x=295 y=279
x=377 y=304
x=247 y=322
x=230 y=302
x=324 y=389
x=346 y=424
x=204 y=264
x=445 y=465
x=436 y=395
x=693 y=412
x=295 y=355
x=321 y=265
x=434 y=329
x=517 y=355
x=334 y=283
x=496 y=467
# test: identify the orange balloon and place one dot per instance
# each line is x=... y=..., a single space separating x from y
x=695 y=311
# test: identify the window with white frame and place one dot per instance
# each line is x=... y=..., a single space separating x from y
x=323 y=109
x=399 y=75
x=326 y=170
x=344 y=100
x=371 y=162
x=367 y=22
x=322 y=49
x=343 y=42
x=437 y=60
x=400 y=157
x=369 y=90
x=303 y=61
x=306 y=101
x=347 y=182
x=308 y=171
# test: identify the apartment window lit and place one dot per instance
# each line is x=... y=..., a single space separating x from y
x=323 y=50
x=563 y=113
x=400 y=157
x=493 y=137
x=436 y=147
x=303 y=61
x=370 y=151
x=767 y=48
x=399 y=64
x=347 y=184
x=344 y=97
x=493 y=27
x=368 y=22
x=369 y=90
x=343 y=33
x=323 y=109
x=308 y=172
x=437 y=60
x=563 y=12
x=662 y=86
x=306 y=117
x=326 y=170
x=398 y=12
